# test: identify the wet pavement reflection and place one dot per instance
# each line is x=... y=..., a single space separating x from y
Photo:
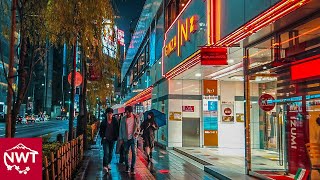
x=164 y=165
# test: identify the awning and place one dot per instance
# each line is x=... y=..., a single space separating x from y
x=142 y=96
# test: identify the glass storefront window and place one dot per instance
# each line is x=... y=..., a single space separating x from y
x=261 y=53
x=285 y=109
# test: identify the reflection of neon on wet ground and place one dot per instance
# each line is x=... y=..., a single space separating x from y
x=164 y=171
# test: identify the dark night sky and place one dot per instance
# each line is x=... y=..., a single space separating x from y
x=127 y=11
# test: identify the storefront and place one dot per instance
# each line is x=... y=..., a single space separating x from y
x=282 y=93
x=204 y=105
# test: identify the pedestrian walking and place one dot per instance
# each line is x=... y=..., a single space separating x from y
x=109 y=131
x=129 y=131
x=148 y=127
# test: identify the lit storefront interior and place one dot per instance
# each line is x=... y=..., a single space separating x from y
x=283 y=119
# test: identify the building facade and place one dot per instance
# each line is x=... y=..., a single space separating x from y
x=239 y=75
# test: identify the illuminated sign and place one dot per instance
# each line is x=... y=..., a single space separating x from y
x=185 y=29
x=309 y=68
x=213 y=56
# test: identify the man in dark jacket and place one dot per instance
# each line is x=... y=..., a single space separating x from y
x=109 y=132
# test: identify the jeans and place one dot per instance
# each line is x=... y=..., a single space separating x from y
x=107 y=152
x=132 y=143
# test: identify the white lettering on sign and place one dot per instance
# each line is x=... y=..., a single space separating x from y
x=293 y=124
x=188 y=108
x=210 y=91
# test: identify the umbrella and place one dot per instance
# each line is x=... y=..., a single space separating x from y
x=159 y=117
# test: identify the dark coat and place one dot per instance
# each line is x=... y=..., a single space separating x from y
x=148 y=132
x=103 y=127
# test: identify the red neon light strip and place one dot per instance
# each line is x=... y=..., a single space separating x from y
x=305 y=33
x=140 y=95
x=165 y=36
x=182 y=67
x=257 y=19
x=276 y=12
x=211 y=35
x=183 y=9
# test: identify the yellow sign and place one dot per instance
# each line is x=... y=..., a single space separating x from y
x=175 y=116
x=189 y=26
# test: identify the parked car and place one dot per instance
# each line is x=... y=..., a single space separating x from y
x=30 y=118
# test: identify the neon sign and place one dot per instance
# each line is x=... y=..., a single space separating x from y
x=185 y=29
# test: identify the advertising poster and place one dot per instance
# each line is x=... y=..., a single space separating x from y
x=227 y=111
x=240 y=117
x=210 y=120
x=175 y=116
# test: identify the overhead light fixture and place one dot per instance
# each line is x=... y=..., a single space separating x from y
x=226 y=71
x=237 y=78
x=198 y=74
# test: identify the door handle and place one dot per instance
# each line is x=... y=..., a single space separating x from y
x=197 y=130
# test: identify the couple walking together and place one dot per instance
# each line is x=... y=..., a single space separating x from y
x=126 y=132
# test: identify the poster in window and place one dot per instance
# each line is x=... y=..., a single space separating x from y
x=227 y=109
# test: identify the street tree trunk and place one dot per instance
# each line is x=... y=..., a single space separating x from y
x=83 y=120
x=85 y=103
x=22 y=80
x=71 y=115
x=81 y=117
x=10 y=71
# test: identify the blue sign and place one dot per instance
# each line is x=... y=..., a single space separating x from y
x=213 y=105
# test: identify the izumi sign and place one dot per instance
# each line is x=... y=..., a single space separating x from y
x=184 y=30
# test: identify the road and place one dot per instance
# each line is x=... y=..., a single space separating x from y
x=37 y=129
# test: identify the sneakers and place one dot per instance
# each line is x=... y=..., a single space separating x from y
x=132 y=172
x=109 y=166
x=105 y=169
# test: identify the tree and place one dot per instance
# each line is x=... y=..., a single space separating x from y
x=79 y=22
x=27 y=20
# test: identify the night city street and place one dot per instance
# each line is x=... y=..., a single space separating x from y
x=160 y=89
x=37 y=129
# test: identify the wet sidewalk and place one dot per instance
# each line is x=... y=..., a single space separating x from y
x=165 y=165
x=229 y=163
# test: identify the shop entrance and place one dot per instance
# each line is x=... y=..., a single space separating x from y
x=190 y=132
x=267 y=118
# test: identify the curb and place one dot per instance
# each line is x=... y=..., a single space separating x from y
x=193 y=157
x=216 y=173
x=81 y=174
x=213 y=170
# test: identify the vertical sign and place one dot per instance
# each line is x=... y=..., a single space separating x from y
x=210 y=112
x=296 y=131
